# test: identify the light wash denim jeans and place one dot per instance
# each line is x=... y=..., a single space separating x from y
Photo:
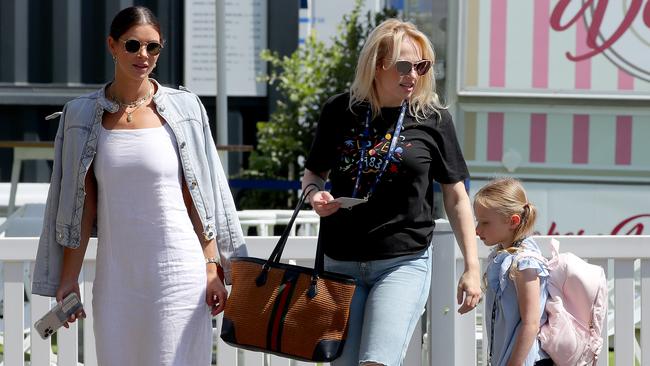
x=386 y=306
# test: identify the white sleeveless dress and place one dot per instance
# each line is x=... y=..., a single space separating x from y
x=149 y=291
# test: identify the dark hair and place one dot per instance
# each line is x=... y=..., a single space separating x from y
x=132 y=16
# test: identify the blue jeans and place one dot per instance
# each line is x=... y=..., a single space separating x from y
x=386 y=306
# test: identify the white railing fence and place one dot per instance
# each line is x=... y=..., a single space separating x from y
x=446 y=338
x=27 y=221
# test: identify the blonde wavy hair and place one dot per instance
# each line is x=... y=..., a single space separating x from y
x=382 y=48
x=507 y=197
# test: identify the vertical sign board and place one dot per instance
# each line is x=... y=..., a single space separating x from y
x=246 y=37
x=324 y=17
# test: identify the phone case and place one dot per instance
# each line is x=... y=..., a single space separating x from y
x=54 y=319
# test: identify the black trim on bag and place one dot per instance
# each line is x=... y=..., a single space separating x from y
x=281 y=354
x=328 y=349
x=338 y=277
x=228 y=331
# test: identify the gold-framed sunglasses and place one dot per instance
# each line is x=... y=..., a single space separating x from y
x=134 y=46
x=404 y=67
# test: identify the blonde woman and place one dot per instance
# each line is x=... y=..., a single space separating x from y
x=386 y=141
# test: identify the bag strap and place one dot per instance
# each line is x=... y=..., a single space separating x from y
x=276 y=254
x=555 y=247
x=555 y=252
x=492 y=321
x=530 y=254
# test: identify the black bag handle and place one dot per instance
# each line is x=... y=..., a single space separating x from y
x=279 y=247
x=276 y=254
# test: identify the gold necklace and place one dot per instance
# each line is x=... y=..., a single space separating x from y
x=135 y=104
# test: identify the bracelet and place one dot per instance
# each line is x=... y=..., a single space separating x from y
x=217 y=263
x=212 y=260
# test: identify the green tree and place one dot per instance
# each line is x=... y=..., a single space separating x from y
x=304 y=80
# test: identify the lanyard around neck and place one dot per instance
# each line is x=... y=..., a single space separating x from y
x=365 y=145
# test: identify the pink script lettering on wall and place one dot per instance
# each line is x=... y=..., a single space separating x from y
x=598 y=10
x=633 y=225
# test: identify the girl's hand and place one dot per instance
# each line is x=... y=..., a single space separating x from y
x=469 y=291
x=320 y=201
x=66 y=288
x=216 y=293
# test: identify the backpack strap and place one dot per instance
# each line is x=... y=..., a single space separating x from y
x=530 y=254
x=555 y=252
x=555 y=247
x=492 y=321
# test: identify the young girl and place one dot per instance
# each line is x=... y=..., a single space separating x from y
x=516 y=284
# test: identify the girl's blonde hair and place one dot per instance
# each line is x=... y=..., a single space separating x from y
x=507 y=197
x=382 y=49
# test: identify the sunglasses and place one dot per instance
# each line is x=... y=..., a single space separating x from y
x=134 y=46
x=404 y=67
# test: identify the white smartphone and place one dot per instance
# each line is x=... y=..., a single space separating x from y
x=348 y=202
x=54 y=319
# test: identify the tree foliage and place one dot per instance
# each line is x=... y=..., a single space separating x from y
x=304 y=81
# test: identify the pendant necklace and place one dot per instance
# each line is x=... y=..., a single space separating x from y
x=134 y=105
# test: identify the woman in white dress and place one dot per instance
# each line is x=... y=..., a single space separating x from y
x=157 y=281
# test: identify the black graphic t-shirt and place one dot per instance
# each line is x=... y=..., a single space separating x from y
x=398 y=217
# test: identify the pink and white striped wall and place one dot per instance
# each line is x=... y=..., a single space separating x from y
x=509 y=45
x=559 y=138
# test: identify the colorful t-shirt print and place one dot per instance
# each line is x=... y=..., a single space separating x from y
x=377 y=146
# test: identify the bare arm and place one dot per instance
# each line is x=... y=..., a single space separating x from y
x=527 y=285
x=318 y=197
x=73 y=258
x=216 y=293
x=461 y=220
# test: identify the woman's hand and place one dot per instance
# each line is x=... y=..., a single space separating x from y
x=66 y=288
x=459 y=212
x=469 y=291
x=216 y=293
x=320 y=201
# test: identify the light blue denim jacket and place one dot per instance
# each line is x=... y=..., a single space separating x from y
x=74 y=150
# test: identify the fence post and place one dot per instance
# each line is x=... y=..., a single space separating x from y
x=41 y=349
x=442 y=303
x=89 y=349
x=14 y=313
x=624 y=319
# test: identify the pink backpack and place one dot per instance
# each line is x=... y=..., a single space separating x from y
x=576 y=309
